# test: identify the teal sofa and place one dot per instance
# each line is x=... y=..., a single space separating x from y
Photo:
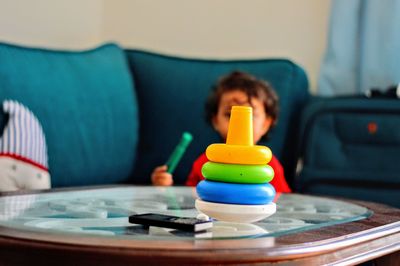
x=110 y=115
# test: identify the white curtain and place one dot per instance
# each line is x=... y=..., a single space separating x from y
x=363 y=49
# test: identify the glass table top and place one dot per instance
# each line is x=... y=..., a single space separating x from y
x=104 y=212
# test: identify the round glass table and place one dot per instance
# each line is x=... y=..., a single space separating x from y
x=104 y=212
x=96 y=220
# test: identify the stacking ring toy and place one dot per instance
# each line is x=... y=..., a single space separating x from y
x=231 y=193
x=236 y=173
x=238 y=154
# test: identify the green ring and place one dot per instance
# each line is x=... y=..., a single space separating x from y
x=237 y=173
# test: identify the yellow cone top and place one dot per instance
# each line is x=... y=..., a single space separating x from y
x=240 y=131
x=239 y=148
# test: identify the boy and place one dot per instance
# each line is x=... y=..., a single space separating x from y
x=237 y=88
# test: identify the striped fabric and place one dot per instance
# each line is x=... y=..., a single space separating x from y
x=23 y=136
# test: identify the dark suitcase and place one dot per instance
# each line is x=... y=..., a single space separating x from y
x=350 y=147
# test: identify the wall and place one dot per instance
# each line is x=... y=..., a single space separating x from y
x=71 y=24
x=203 y=29
x=223 y=28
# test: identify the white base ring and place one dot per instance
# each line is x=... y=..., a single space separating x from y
x=234 y=212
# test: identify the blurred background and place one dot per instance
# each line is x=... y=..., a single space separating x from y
x=226 y=29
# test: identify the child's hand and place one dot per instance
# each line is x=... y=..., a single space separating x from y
x=160 y=176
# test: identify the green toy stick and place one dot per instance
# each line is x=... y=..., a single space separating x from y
x=178 y=152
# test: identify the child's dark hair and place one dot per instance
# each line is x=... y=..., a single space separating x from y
x=251 y=86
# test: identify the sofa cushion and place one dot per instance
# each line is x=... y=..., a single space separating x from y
x=172 y=92
x=87 y=106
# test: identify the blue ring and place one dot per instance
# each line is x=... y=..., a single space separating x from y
x=231 y=193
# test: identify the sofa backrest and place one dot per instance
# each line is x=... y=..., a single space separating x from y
x=90 y=110
x=172 y=92
x=86 y=104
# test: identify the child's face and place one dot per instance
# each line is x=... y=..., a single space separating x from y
x=261 y=122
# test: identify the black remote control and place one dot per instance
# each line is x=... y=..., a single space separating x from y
x=169 y=221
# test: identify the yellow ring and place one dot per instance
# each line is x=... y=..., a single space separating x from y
x=238 y=154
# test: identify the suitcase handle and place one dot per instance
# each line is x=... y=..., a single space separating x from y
x=391 y=92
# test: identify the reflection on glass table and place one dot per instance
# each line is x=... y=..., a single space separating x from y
x=104 y=212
